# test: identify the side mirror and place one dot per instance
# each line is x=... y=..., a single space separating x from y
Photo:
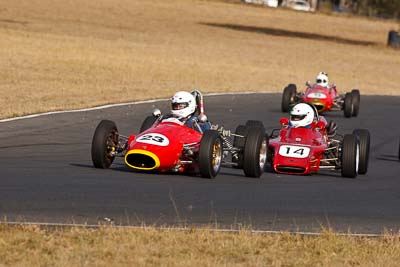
x=202 y=118
x=308 y=83
x=318 y=125
x=156 y=112
x=284 y=121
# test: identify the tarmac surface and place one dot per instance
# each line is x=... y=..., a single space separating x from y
x=46 y=175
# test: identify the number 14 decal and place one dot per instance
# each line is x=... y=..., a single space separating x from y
x=294 y=151
x=299 y=151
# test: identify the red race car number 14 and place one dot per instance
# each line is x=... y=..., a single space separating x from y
x=153 y=139
x=294 y=151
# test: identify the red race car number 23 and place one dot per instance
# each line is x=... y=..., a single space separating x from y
x=294 y=151
x=154 y=139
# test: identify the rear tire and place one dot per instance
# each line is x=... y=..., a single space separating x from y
x=349 y=156
x=364 y=140
x=147 y=123
x=399 y=150
x=105 y=141
x=288 y=97
x=255 y=152
x=255 y=123
x=355 y=93
x=210 y=154
x=348 y=105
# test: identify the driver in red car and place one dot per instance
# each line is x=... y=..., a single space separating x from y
x=183 y=108
x=305 y=114
x=322 y=79
x=301 y=115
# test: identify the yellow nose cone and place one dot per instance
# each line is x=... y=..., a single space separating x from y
x=142 y=160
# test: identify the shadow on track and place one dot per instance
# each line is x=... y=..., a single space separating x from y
x=387 y=157
x=287 y=33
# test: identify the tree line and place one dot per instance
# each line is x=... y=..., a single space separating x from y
x=377 y=8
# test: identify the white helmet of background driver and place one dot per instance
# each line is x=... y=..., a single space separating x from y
x=322 y=79
x=183 y=104
x=301 y=115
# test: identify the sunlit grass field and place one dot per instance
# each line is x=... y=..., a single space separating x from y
x=109 y=246
x=66 y=54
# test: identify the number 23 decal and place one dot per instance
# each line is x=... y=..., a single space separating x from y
x=294 y=151
x=153 y=139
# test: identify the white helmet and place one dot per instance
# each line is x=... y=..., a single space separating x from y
x=322 y=79
x=301 y=115
x=183 y=104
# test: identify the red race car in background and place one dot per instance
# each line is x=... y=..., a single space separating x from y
x=165 y=145
x=323 y=98
x=309 y=150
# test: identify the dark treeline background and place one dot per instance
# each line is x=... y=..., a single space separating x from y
x=378 y=8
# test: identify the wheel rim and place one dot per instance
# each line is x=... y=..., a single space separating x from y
x=263 y=154
x=357 y=157
x=111 y=144
x=216 y=156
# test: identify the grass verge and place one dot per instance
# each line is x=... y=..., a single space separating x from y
x=109 y=246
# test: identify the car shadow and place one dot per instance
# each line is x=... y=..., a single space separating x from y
x=115 y=167
x=120 y=167
x=288 y=33
x=387 y=157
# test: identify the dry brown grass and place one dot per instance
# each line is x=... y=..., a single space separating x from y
x=33 y=246
x=64 y=54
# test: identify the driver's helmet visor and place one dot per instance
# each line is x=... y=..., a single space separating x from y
x=297 y=117
x=321 y=81
x=178 y=106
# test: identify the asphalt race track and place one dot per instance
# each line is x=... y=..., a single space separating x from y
x=47 y=175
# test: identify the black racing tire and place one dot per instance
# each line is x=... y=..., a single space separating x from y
x=349 y=156
x=355 y=94
x=105 y=140
x=239 y=142
x=364 y=140
x=288 y=97
x=394 y=39
x=255 y=152
x=348 y=105
x=210 y=154
x=399 y=150
x=147 y=123
x=255 y=123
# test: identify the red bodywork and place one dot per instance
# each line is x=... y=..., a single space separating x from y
x=161 y=148
x=321 y=97
x=299 y=150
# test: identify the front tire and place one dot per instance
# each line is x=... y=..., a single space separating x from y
x=147 y=123
x=104 y=142
x=210 y=154
x=349 y=156
x=348 y=105
x=355 y=94
x=364 y=140
x=288 y=97
x=255 y=152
